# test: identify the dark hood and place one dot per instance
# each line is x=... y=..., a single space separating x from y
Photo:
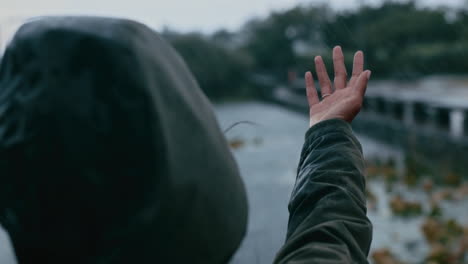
x=109 y=151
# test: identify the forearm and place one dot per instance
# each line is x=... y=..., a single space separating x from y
x=328 y=219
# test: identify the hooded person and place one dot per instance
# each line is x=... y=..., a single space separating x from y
x=110 y=153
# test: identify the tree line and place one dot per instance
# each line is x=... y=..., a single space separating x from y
x=400 y=40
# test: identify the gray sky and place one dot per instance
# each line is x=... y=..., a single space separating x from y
x=183 y=15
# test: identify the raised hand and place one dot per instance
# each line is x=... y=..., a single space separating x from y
x=344 y=101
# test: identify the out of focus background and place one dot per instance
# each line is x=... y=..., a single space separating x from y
x=249 y=57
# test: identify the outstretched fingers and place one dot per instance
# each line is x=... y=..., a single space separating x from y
x=312 y=96
x=324 y=80
x=340 y=68
x=358 y=67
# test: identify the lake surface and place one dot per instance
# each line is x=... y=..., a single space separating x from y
x=268 y=162
x=268 y=153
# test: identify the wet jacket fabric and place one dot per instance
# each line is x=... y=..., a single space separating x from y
x=110 y=152
x=328 y=222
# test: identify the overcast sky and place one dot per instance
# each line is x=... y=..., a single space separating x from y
x=183 y=15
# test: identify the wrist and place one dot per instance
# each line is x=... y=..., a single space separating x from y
x=315 y=121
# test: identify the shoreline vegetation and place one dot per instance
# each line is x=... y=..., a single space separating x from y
x=400 y=40
x=446 y=237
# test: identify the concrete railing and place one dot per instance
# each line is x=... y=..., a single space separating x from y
x=432 y=130
x=451 y=119
x=413 y=105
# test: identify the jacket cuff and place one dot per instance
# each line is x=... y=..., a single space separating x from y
x=326 y=126
x=324 y=129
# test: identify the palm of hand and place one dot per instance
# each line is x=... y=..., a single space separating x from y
x=342 y=104
x=346 y=100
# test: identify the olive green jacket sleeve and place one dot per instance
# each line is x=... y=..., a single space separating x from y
x=328 y=222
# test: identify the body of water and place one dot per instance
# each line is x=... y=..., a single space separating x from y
x=268 y=158
x=267 y=149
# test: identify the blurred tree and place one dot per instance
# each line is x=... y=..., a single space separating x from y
x=221 y=73
x=271 y=41
x=391 y=32
x=400 y=39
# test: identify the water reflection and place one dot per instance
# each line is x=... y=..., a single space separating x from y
x=415 y=218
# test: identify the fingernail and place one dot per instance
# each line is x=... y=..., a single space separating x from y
x=369 y=73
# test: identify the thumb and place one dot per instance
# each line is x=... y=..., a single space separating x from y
x=361 y=84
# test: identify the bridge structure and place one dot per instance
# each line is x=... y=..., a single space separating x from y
x=428 y=118
x=439 y=103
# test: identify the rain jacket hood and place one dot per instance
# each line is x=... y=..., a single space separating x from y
x=109 y=151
